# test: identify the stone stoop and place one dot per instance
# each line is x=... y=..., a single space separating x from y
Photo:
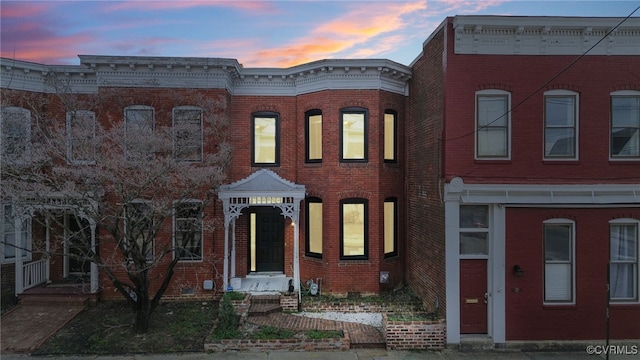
x=475 y=343
x=262 y=305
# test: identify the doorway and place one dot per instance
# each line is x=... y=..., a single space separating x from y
x=78 y=245
x=473 y=296
x=266 y=235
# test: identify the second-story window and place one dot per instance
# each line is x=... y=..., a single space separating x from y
x=353 y=135
x=390 y=133
x=16 y=134
x=313 y=135
x=625 y=125
x=265 y=139
x=187 y=133
x=492 y=124
x=81 y=133
x=560 y=124
x=139 y=125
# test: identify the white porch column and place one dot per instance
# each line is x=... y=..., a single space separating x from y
x=233 y=249
x=47 y=264
x=497 y=258
x=225 y=271
x=19 y=244
x=296 y=255
x=95 y=281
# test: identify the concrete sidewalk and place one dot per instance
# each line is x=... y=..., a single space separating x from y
x=356 y=354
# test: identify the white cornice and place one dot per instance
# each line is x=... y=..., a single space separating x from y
x=206 y=73
x=520 y=194
x=520 y=35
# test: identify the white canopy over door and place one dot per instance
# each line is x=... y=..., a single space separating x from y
x=262 y=188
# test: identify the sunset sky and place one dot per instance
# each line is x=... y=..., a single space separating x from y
x=256 y=33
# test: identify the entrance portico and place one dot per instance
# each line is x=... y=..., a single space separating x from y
x=264 y=188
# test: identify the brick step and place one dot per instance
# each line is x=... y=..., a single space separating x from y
x=264 y=309
x=55 y=300
x=265 y=299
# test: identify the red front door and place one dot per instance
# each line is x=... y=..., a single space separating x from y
x=473 y=298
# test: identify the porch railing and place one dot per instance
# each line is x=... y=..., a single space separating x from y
x=35 y=273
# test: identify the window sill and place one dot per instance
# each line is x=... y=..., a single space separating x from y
x=345 y=262
x=313 y=258
x=624 y=305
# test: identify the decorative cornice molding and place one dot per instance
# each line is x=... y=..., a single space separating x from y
x=517 y=35
x=168 y=72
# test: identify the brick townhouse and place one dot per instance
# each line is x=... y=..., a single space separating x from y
x=498 y=174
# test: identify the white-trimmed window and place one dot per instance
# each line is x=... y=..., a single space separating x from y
x=139 y=125
x=8 y=245
x=624 y=264
x=390 y=134
x=16 y=134
x=493 y=124
x=81 y=134
x=561 y=124
x=474 y=230
x=353 y=135
x=313 y=135
x=625 y=125
x=313 y=227
x=559 y=253
x=187 y=230
x=187 y=133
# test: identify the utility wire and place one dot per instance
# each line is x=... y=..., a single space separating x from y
x=547 y=82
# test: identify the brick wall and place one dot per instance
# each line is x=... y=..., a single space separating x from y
x=413 y=335
x=524 y=295
x=425 y=224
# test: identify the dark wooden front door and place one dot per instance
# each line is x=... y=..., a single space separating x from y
x=269 y=240
x=473 y=296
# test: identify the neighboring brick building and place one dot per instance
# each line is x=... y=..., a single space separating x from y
x=500 y=162
x=532 y=179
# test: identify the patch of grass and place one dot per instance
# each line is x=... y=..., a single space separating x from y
x=323 y=334
x=271 y=332
x=107 y=328
x=220 y=334
x=233 y=295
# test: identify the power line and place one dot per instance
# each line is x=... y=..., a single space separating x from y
x=546 y=82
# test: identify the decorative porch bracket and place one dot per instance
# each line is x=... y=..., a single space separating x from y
x=262 y=188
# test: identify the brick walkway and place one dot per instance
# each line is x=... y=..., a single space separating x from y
x=362 y=336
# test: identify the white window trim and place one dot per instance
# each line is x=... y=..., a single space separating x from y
x=27 y=115
x=561 y=221
x=576 y=124
x=489 y=92
x=611 y=95
x=28 y=241
x=629 y=221
x=173 y=126
x=70 y=158
x=173 y=233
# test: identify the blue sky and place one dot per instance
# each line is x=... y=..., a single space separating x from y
x=256 y=33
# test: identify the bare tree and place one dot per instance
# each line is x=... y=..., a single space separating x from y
x=120 y=169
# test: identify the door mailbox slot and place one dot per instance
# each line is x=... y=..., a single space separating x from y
x=471 y=301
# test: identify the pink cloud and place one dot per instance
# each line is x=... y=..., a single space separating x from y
x=261 y=6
